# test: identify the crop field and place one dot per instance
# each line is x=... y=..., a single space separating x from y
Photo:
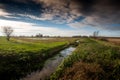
x=92 y=60
x=21 y=56
x=114 y=40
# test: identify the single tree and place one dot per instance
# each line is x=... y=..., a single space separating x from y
x=8 y=31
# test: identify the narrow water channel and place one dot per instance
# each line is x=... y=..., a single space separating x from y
x=50 y=65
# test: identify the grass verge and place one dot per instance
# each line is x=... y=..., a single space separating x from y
x=92 y=60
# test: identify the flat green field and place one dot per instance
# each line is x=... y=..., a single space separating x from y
x=18 y=45
x=21 y=56
x=92 y=60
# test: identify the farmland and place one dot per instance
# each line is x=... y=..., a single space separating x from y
x=92 y=60
x=21 y=56
x=114 y=40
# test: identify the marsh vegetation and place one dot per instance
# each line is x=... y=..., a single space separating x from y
x=92 y=60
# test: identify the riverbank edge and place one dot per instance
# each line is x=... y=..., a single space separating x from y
x=69 y=61
x=24 y=64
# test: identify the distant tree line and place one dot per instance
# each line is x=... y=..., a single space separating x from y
x=7 y=30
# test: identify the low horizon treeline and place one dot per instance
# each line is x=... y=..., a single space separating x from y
x=48 y=36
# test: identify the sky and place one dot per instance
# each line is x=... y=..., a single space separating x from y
x=61 y=17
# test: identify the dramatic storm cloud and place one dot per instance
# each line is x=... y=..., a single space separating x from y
x=101 y=14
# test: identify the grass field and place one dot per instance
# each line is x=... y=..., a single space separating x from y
x=27 y=45
x=92 y=60
x=21 y=56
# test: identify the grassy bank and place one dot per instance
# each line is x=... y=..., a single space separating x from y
x=19 y=57
x=92 y=60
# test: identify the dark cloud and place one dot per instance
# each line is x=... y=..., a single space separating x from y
x=86 y=12
x=84 y=6
x=21 y=7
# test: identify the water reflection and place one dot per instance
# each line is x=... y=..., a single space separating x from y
x=50 y=66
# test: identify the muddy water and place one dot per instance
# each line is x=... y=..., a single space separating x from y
x=50 y=66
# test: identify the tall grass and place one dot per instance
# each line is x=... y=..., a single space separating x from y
x=92 y=60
